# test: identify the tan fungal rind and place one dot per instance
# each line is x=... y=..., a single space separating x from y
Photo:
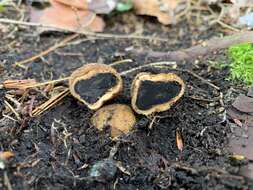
x=94 y=84
x=155 y=92
x=119 y=117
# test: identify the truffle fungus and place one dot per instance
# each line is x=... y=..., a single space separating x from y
x=93 y=84
x=119 y=117
x=155 y=92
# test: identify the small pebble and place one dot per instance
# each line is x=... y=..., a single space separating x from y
x=103 y=170
x=250 y=92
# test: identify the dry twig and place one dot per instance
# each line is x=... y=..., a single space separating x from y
x=87 y=33
x=201 y=49
x=47 y=51
x=49 y=103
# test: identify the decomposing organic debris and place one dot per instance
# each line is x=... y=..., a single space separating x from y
x=244 y=104
x=156 y=92
x=59 y=15
x=50 y=103
x=120 y=118
x=93 y=84
x=165 y=10
x=240 y=142
x=4 y=156
x=250 y=92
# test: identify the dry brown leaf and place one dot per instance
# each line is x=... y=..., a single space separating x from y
x=250 y=92
x=244 y=104
x=238 y=122
x=67 y=18
x=79 y=4
x=179 y=140
x=164 y=10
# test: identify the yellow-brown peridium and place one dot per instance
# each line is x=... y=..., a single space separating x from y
x=93 y=84
x=119 y=117
x=155 y=92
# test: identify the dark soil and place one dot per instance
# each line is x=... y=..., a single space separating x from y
x=60 y=149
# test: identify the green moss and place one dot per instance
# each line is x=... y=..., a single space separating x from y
x=2 y=8
x=241 y=67
x=4 y=4
x=217 y=64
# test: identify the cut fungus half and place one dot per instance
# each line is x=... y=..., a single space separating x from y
x=93 y=84
x=119 y=117
x=156 y=92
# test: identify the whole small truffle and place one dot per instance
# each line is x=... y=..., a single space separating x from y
x=155 y=92
x=120 y=118
x=93 y=84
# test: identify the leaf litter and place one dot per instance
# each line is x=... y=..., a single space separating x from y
x=68 y=17
x=241 y=140
x=153 y=149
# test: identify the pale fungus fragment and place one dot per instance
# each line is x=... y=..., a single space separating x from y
x=94 y=84
x=156 y=92
x=119 y=117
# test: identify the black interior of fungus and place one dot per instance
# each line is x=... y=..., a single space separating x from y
x=95 y=87
x=152 y=93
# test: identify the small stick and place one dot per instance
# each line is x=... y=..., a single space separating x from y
x=167 y=63
x=7 y=181
x=150 y=126
x=30 y=107
x=121 y=62
x=191 y=73
x=48 y=82
x=201 y=49
x=49 y=103
x=47 y=51
x=9 y=117
x=18 y=84
x=179 y=140
x=87 y=33
x=200 y=78
x=12 y=109
x=173 y=64
x=16 y=102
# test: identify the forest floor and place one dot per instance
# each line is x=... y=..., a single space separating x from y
x=57 y=149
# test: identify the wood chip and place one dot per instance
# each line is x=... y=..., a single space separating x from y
x=244 y=104
x=19 y=84
x=250 y=92
x=179 y=140
x=6 y=155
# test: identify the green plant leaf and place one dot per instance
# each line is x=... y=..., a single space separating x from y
x=124 y=6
